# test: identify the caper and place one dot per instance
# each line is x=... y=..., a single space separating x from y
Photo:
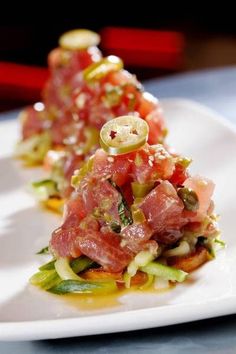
x=189 y=198
x=115 y=227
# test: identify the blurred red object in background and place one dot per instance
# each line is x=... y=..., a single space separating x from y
x=137 y=47
x=21 y=82
x=145 y=48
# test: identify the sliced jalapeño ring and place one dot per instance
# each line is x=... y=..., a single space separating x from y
x=123 y=134
x=79 y=39
x=97 y=71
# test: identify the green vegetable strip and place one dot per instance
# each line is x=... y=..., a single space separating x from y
x=44 y=250
x=45 y=279
x=84 y=287
x=48 y=277
x=123 y=210
x=45 y=189
x=163 y=271
x=221 y=243
x=64 y=270
x=81 y=263
x=48 y=266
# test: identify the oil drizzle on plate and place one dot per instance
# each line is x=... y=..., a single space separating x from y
x=107 y=301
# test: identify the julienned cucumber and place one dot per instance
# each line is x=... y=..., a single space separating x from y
x=47 y=276
x=163 y=271
x=83 y=287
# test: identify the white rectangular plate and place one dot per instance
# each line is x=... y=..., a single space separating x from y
x=27 y=313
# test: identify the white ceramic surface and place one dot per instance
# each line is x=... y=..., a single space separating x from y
x=28 y=313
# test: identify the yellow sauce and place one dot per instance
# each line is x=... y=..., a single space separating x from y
x=107 y=301
x=54 y=206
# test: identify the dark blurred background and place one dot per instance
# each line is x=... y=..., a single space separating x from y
x=29 y=32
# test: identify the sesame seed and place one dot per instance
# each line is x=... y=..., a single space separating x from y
x=150 y=163
x=161 y=157
x=123 y=243
x=110 y=159
x=80 y=100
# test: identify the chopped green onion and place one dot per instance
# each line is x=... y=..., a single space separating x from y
x=140 y=190
x=81 y=173
x=215 y=245
x=83 y=287
x=113 y=95
x=48 y=266
x=34 y=149
x=45 y=189
x=184 y=161
x=92 y=139
x=220 y=242
x=137 y=215
x=163 y=271
x=44 y=250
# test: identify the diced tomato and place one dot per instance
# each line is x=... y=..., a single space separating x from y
x=119 y=78
x=157 y=126
x=117 y=168
x=131 y=97
x=180 y=174
x=67 y=63
x=163 y=208
x=148 y=103
x=151 y=164
x=204 y=189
